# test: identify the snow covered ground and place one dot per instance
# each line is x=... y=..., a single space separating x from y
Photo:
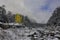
x=21 y=34
x=15 y=34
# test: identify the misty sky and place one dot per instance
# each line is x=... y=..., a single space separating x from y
x=40 y=10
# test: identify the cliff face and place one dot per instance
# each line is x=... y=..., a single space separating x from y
x=55 y=18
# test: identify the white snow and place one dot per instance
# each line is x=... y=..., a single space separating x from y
x=21 y=34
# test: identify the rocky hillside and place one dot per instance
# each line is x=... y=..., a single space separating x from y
x=55 y=18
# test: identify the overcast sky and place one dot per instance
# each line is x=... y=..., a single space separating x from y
x=40 y=10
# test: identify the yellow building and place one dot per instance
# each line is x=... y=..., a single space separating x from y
x=18 y=18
